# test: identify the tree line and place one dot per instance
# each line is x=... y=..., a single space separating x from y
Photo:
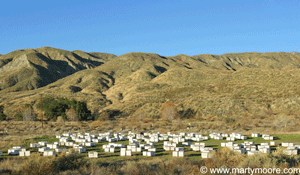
x=73 y=110
x=68 y=109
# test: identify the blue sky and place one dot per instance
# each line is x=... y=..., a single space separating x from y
x=165 y=27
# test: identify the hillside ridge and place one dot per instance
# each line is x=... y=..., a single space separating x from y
x=43 y=66
x=233 y=84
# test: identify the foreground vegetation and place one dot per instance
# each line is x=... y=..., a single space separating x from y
x=74 y=164
x=77 y=164
x=162 y=163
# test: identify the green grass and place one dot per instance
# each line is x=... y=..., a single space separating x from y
x=49 y=139
x=26 y=144
x=295 y=138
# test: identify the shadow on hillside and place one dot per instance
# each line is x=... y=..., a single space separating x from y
x=60 y=66
x=95 y=63
x=160 y=69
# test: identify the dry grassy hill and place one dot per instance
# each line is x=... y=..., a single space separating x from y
x=216 y=88
x=33 y=68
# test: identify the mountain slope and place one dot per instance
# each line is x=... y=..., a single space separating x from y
x=229 y=85
x=33 y=68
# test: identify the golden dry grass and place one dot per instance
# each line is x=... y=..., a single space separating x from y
x=261 y=95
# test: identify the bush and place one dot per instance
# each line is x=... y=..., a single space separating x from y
x=60 y=120
x=187 y=114
x=108 y=115
x=18 y=116
x=37 y=164
x=229 y=120
x=2 y=115
x=71 y=115
x=28 y=114
x=169 y=111
x=70 y=161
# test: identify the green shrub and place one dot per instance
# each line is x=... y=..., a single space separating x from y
x=37 y=164
x=108 y=115
x=2 y=115
x=187 y=114
x=19 y=116
x=229 y=120
x=70 y=161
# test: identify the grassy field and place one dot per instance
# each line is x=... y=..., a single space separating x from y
x=162 y=163
x=160 y=153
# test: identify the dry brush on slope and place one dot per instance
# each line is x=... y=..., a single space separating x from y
x=263 y=87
